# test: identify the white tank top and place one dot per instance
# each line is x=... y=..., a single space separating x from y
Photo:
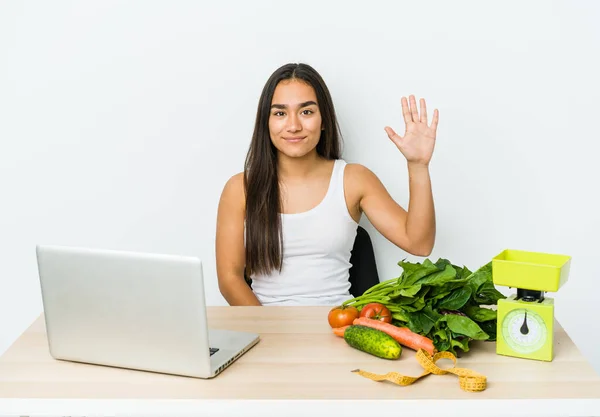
x=316 y=253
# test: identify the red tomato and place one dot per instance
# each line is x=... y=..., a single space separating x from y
x=342 y=316
x=376 y=311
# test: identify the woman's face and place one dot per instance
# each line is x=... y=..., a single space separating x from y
x=294 y=120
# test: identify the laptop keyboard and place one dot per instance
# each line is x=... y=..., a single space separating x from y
x=213 y=351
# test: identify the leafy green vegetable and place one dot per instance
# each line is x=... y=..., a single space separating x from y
x=490 y=328
x=488 y=294
x=423 y=321
x=480 y=314
x=480 y=277
x=441 y=301
x=456 y=299
x=464 y=326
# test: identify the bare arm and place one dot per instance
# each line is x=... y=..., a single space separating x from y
x=420 y=222
x=413 y=230
x=229 y=245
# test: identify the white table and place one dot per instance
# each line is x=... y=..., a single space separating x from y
x=299 y=368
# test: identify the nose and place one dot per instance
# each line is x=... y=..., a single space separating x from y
x=293 y=124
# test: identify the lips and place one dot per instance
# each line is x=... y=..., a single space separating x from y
x=294 y=139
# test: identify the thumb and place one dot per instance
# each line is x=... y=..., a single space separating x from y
x=392 y=135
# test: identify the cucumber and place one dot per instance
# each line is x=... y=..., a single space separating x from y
x=372 y=341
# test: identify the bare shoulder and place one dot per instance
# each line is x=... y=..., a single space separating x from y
x=359 y=176
x=233 y=194
x=359 y=181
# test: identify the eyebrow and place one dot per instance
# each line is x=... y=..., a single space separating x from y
x=284 y=106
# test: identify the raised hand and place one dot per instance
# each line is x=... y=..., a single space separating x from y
x=419 y=138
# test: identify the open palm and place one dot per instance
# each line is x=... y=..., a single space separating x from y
x=418 y=141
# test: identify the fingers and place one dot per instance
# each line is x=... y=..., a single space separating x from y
x=413 y=109
x=405 y=111
x=410 y=113
x=423 y=111
x=390 y=132
x=436 y=118
x=392 y=135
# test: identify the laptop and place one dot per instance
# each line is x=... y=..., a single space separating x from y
x=133 y=310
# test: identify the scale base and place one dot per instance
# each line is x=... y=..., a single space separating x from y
x=526 y=328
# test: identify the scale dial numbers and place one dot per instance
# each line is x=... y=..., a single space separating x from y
x=524 y=331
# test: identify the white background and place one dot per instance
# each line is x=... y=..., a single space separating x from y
x=120 y=122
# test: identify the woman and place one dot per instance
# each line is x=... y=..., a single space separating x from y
x=289 y=220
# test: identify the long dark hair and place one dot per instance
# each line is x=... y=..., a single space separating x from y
x=264 y=250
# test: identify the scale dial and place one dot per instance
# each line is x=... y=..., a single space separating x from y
x=524 y=330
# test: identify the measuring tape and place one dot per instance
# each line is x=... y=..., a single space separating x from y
x=468 y=380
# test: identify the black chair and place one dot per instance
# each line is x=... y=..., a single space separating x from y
x=363 y=272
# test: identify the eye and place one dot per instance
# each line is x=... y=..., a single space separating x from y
x=307 y=111
x=278 y=113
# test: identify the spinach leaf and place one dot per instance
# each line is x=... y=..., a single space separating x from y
x=408 y=267
x=488 y=294
x=442 y=263
x=439 y=277
x=416 y=274
x=404 y=301
x=410 y=291
x=416 y=305
x=480 y=314
x=462 y=273
x=441 y=334
x=423 y=321
x=480 y=277
x=442 y=291
x=461 y=342
x=490 y=327
x=442 y=345
x=442 y=338
x=456 y=300
x=465 y=326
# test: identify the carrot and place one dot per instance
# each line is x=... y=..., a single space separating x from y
x=339 y=331
x=402 y=335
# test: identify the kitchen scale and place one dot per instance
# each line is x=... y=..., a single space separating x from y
x=525 y=326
